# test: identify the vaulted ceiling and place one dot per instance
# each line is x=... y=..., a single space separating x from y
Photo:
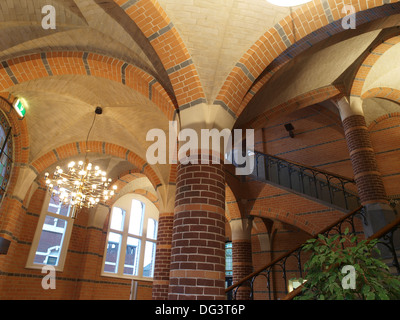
x=246 y=56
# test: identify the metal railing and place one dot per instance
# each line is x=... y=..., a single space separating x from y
x=317 y=183
x=297 y=255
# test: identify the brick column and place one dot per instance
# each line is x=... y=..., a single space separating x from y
x=198 y=240
x=242 y=260
x=163 y=256
x=362 y=155
x=369 y=181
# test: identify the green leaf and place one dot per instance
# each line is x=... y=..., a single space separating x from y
x=370 y=296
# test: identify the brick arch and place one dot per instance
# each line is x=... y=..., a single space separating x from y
x=383 y=93
x=232 y=205
x=47 y=64
x=367 y=64
x=159 y=30
x=127 y=177
x=73 y=149
x=20 y=141
x=148 y=195
x=314 y=21
x=11 y=206
x=285 y=217
x=304 y=100
x=383 y=118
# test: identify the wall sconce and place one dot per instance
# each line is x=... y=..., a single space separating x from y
x=289 y=128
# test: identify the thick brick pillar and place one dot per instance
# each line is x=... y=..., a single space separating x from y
x=369 y=181
x=368 y=178
x=242 y=261
x=163 y=256
x=198 y=240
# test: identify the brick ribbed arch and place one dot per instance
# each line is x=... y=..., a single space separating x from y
x=232 y=205
x=11 y=206
x=366 y=66
x=285 y=217
x=127 y=177
x=314 y=22
x=73 y=149
x=35 y=66
x=383 y=118
x=383 y=93
x=304 y=100
x=168 y=44
x=148 y=195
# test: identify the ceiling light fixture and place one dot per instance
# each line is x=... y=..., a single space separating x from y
x=81 y=185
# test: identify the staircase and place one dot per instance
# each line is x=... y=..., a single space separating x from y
x=331 y=189
x=280 y=265
x=318 y=184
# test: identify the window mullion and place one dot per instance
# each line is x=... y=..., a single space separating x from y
x=141 y=258
x=124 y=244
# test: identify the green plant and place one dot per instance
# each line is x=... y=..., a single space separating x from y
x=325 y=272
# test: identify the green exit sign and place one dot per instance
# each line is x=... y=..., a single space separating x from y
x=19 y=107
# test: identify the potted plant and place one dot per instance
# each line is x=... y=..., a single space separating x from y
x=342 y=268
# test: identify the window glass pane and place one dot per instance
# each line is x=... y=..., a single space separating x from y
x=228 y=259
x=152 y=229
x=117 y=219
x=135 y=221
x=50 y=243
x=55 y=206
x=132 y=256
x=149 y=256
x=113 y=251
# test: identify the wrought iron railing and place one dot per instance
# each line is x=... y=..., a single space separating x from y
x=291 y=263
x=386 y=237
x=279 y=266
x=317 y=183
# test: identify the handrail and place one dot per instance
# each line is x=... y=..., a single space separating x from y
x=307 y=167
x=287 y=254
x=391 y=227
x=318 y=183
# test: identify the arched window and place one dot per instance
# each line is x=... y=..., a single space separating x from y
x=131 y=239
x=6 y=152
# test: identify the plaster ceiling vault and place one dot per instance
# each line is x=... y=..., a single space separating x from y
x=142 y=60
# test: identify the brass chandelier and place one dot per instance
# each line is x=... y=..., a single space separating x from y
x=81 y=185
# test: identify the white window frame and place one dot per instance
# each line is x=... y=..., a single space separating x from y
x=65 y=241
x=150 y=212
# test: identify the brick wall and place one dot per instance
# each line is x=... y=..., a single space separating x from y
x=80 y=278
x=319 y=140
x=385 y=134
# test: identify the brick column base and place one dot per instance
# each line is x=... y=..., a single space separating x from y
x=198 y=241
x=162 y=262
